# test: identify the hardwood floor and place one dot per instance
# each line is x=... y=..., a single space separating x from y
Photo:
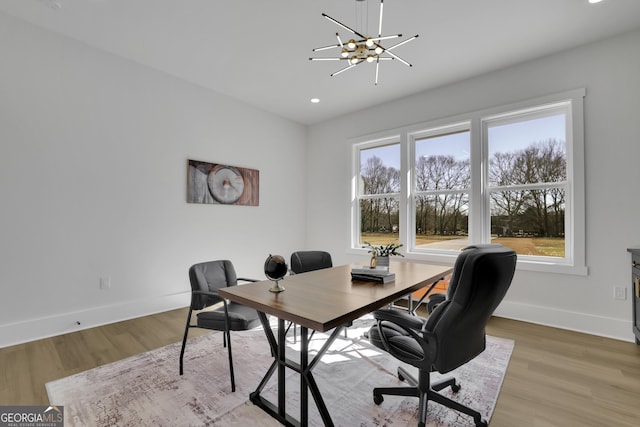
x=563 y=378
x=555 y=377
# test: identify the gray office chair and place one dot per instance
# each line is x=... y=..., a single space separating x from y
x=453 y=334
x=206 y=278
x=304 y=261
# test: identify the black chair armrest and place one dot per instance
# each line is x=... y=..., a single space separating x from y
x=413 y=327
x=244 y=279
x=210 y=293
x=434 y=300
x=404 y=320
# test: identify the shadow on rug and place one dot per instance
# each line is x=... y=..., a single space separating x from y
x=146 y=389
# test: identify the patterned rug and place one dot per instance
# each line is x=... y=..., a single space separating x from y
x=146 y=389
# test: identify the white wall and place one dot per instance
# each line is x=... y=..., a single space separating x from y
x=93 y=152
x=609 y=71
x=93 y=167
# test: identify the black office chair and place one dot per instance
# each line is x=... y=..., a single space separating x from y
x=206 y=278
x=304 y=261
x=454 y=333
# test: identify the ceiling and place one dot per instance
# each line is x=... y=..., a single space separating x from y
x=258 y=51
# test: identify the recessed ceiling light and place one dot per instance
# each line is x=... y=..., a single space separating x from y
x=315 y=100
x=594 y=1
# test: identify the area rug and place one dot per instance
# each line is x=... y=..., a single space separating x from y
x=146 y=389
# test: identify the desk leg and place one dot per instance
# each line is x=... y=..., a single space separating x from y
x=282 y=361
x=304 y=363
x=307 y=376
x=307 y=382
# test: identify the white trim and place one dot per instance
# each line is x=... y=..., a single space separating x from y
x=609 y=327
x=45 y=327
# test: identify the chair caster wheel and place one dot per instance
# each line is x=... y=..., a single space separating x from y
x=400 y=377
x=482 y=423
x=377 y=399
x=455 y=388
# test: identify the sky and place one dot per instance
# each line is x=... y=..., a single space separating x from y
x=502 y=138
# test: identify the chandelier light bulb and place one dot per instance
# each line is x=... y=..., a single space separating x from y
x=353 y=60
x=371 y=58
x=378 y=50
x=344 y=53
x=369 y=42
x=351 y=44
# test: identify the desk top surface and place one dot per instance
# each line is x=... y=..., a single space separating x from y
x=324 y=299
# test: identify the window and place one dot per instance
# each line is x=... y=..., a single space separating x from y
x=440 y=188
x=511 y=175
x=527 y=180
x=378 y=193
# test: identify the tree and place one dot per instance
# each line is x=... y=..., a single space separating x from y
x=446 y=179
x=379 y=179
x=539 y=209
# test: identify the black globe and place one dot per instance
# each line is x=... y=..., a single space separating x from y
x=275 y=267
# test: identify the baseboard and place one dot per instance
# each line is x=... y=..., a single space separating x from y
x=608 y=327
x=45 y=327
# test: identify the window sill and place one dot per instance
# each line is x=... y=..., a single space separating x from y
x=522 y=265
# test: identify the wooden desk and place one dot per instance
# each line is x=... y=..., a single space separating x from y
x=320 y=300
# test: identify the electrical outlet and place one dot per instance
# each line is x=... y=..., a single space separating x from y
x=620 y=293
x=105 y=283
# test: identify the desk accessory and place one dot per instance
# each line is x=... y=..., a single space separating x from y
x=373 y=277
x=275 y=268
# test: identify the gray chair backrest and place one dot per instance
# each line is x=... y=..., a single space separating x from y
x=481 y=277
x=209 y=277
x=303 y=261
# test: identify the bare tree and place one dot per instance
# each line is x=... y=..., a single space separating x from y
x=541 y=209
x=506 y=169
x=448 y=178
x=379 y=179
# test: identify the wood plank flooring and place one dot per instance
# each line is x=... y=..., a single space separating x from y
x=555 y=377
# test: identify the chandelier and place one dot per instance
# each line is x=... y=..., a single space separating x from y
x=362 y=48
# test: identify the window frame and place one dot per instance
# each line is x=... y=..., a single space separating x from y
x=479 y=221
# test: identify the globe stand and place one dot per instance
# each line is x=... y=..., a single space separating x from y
x=276 y=287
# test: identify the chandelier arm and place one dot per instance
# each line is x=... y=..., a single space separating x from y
x=393 y=36
x=345 y=69
x=377 y=68
x=397 y=57
x=328 y=59
x=403 y=42
x=332 y=46
x=339 y=40
x=352 y=31
x=380 y=22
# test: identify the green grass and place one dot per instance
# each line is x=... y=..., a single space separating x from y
x=537 y=246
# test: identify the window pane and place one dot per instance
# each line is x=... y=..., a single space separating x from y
x=379 y=219
x=380 y=170
x=442 y=162
x=528 y=151
x=442 y=221
x=531 y=222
